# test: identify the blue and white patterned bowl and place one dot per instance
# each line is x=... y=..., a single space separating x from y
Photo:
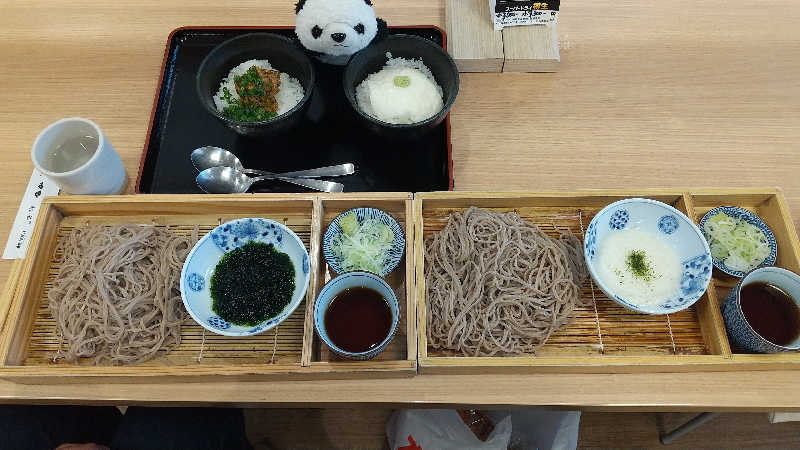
x=741 y=333
x=393 y=256
x=351 y=280
x=200 y=264
x=674 y=228
x=752 y=219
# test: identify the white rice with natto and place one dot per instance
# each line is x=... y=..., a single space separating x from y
x=415 y=98
x=288 y=96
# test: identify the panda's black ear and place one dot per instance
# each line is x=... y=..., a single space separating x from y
x=299 y=6
x=383 y=30
x=369 y=2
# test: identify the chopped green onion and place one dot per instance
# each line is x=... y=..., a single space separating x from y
x=738 y=244
x=364 y=246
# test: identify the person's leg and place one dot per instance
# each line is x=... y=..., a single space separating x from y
x=181 y=428
x=47 y=427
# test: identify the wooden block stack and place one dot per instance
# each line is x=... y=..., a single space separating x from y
x=531 y=48
x=477 y=47
x=471 y=39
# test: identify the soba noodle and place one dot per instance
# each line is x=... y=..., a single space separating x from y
x=116 y=296
x=497 y=284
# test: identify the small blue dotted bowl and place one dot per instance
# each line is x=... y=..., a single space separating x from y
x=670 y=225
x=752 y=219
x=394 y=254
x=203 y=259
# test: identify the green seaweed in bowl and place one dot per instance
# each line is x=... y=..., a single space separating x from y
x=251 y=284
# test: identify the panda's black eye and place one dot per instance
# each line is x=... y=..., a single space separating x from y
x=316 y=32
x=359 y=28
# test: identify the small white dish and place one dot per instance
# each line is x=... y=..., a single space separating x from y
x=673 y=228
x=347 y=281
x=203 y=259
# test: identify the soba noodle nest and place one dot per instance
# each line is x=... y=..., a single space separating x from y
x=497 y=284
x=116 y=296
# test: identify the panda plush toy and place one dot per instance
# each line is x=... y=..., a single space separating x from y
x=335 y=29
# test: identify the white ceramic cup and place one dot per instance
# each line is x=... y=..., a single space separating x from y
x=103 y=173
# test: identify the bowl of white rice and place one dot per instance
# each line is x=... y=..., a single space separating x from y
x=286 y=101
x=402 y=86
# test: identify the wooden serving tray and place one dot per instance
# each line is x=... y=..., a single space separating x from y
x=29 y=338
x=605 y=337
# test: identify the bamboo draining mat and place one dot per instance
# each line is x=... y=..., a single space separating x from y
x=198 y=346
x=610 y=330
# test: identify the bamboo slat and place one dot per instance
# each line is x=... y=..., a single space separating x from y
x=9 y=290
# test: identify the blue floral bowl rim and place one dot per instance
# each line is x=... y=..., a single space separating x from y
x=326 y=237
x=384 y=343
x=769 y=261
x=657 y=310
x=241 y=334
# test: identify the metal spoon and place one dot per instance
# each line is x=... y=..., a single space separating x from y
x=206 y=157
x=227 y=180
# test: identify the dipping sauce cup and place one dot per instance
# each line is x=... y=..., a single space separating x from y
x=355 y=320
x=78 y=157
x=742 y=332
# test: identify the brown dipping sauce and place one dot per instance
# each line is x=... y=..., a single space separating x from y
x=771 y=312
x=358 y=319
